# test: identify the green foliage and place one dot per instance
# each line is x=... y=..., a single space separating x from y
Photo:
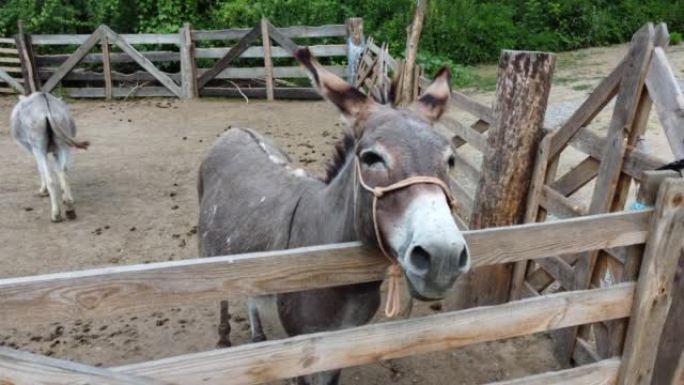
x=675 y=38
x=455 y=31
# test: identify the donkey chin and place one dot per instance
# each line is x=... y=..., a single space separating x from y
x=431 y=248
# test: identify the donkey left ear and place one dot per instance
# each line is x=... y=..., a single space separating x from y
x=434 y=102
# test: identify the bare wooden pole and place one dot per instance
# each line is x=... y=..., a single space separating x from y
x=187 y=63
x=106 y=66
x=409 y=73
x=524 y=81
x=28 y=66
x=654 y=287
x=268 y=62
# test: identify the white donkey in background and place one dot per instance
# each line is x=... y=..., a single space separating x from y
x=41 y=123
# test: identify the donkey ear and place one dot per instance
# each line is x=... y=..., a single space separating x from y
x=434 y=102
x=351 y=102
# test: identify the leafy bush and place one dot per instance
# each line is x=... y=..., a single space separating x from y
x=675 y=38
x=459 y=31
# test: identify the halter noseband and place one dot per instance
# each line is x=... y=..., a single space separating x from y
x=393 y=305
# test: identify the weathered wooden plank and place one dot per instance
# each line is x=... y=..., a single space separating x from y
x=596 y=101
x=106 y=66
x=472 y=106
x=9 y=50
x=142 y=61
x=131 y=38
x=654 y=287
x=6 y=59
x=231 y=55
x=29 y=69
x=115 y=57
x=473 y=137
x=464 y=199
x=188 y=65
x=73 y=59
x=284 y=41
x=7 y=90
x=392 y=62
x=268 y=63
x=117 y=92
x=22 y=368
x=300 y=31
x=669 y=100
x=15 y=70
x=524 y=81
x=6 y=40
x=599 y=373
x=105 y=292
x=276 y=52
x=558 y=269
x=560 y=206
x=4 y=76
x=464 y=165
x=576 y=178
x=263 y=362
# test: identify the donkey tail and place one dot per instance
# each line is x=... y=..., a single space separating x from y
x=59 y=132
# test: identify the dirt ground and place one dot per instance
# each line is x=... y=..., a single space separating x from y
x=137 y=203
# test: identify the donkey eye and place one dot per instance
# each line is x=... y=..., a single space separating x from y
x=370 y=158
x=452 y=161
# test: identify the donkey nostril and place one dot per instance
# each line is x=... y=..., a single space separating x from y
x=463 y=259
x=419 y=260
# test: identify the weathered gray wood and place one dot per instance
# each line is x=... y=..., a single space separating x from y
x=4 y=76
x=106 y=292
x=6 y=40
x=669 y=100
x=73 y=59
x=131 y=38
x=300 y=31
x=147 y=65
x=464 y=165
x=560 y=206
x=22 y=368
x=524 y=81
x=15 y=70
x=597 y=100
x=356 y=46
x=5 y=59
x=268 y=361
x=328 y=50
x=284 y=41
x=106 y=66
x=188 y=66
x=479 y=126
x=654 y=287
x=473 y=137
x=28 y=68
x=268 y=63
x=600 y=373
x=392 y=62
x=585 y=354
x=464 y=199
x=44 y=61
x=231 y=55
x=118 y=92
x=12 y=51
x=409 y=86
x=560 y=270
x=576 y=178
x=472 y=106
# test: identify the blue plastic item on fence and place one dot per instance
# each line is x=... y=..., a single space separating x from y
x=638 y=206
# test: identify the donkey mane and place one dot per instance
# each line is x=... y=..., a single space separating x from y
x=343 y=148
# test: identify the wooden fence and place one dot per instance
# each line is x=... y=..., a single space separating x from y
x=187 y=64
x=10 y=69
x=120 y=290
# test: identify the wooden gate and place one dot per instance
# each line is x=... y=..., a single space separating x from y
x=10 y=69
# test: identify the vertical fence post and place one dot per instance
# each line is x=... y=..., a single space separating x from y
x=524 y=81
x=187 y=63
x=654 y=288
x=28 y=66
x=106 y=66
x=355 y=45
x=268 y=63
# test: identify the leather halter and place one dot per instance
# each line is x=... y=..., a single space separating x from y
x=393 y=304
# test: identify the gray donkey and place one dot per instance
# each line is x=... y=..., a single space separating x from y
x=251 y=199
x=41 y=123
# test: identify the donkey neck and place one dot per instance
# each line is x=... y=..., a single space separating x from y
x=327 y=215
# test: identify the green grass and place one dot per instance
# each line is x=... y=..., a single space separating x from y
x=582 y=87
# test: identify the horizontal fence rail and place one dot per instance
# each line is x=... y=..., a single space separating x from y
x=118 y=290
x=268 y=361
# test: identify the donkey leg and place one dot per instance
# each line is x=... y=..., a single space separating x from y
x=224 y=326
x=43 y=191
x=255 y=322
x=63 y=157
x=44 y=169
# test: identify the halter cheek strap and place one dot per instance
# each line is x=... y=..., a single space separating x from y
x=393 y=304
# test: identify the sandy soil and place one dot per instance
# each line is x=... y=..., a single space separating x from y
x=136 y=201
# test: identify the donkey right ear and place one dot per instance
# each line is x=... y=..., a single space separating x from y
x=351 y=102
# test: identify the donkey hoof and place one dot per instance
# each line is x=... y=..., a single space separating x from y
x=258 y=338
x=43 y=193
x=223 y=344
x=71 y=214
x=56 y=218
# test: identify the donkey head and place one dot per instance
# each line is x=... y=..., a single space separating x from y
x=413 y=222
